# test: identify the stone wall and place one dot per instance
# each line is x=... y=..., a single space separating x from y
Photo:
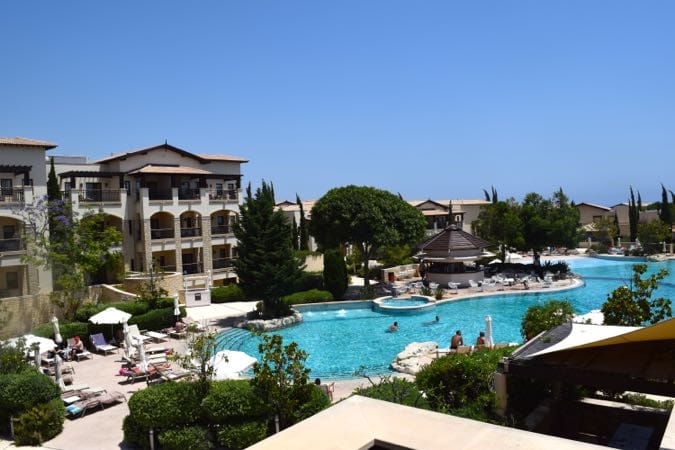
x=172 y=282
x=314 y=263
x=18 y=315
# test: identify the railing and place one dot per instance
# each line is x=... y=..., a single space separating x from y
x=11 y=195
x=220 y=229
x=154 y=194
x=161 y=233
x=190 y=268
x=11 y=245
x=190 y=232
x=167 y=268
x=99 y=195
x=223 y=263
x=223 y=195
x=188 y=194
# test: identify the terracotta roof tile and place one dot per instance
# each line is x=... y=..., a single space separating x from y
x=26 y=142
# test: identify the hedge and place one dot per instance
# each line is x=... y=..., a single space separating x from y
x=156 y=319
x=242 y=435
x=166 y=406
x=308 y=281
x=396 y=390
x=311 y=296
x=318 y=401
x=229 y=293
x=132 y=307
x=188 y=438
x=67 y=329
x=40 y=423
x=232 y=400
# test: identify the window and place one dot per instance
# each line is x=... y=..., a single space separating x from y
x=219 y=190
x=131 y=227
x=127 y=186
x=12 y=279
x=8 y=231
x=198 y=296
x=6 y=186
x=154 y=224
x=220 y=220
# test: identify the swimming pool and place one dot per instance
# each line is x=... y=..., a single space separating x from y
x=340 y=341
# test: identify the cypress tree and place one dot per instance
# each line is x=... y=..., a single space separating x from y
x=616 y=224
x=266 y=266
x=665 y=214
x=294 y=234
x=451 y=215
x=335 y=276
x=304 y=232
x=633 y=215
x=53 y=190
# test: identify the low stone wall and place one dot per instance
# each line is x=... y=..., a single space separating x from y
x=18 y=315
x=273 y=324
x=171 y=282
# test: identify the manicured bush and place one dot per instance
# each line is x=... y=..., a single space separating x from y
x=40 y=423
x=232 y=400
x=188 y=438
x=229 y=293
x=308 y=281
x=396 y=390
x=166 y=406
x=166 y=302
x=67 y=329
x=311 y=296
x=20 y=392
x=543 y=317
x=135 y=434
x=242 y=435
x=156 y=319
x=318 y=401
x=335 y=274
x=132 y=307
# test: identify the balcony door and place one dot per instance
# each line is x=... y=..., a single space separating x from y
x=92 y=191
x=6 y=187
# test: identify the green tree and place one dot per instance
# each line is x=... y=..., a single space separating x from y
x=616 y=224
x=652 y=233
x=535 y=214
x=564 y=221
x=266 y=265
x=633 y=216
x=543 y=317
x=665 y=211
x=451 y=214
x=367 y=218
x=605 y=230
x=53 y=189
x=335 y=276
x=633 y=305
x=500 y=223
x=200 y=357
x=281 y=379
x=303 y=229
x=294 y=234
x=85 y=247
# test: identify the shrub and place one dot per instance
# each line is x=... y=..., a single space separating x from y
x=156 y=319
x=461 y=384
x=40 y=423
x=335 y=273
x=13 y=357
x=367 y=293
x=165 y=406
x=132 y=307
x=318 y=401
x=543 y=317
x=242 y=435
x=67 y=329
x=135 y=434
x=395 y=390
x=308 y=281
x=20 y=392
x=229 y=293
x=188 y=438
x=166 y=302
x=311 y=296
x=232 y=400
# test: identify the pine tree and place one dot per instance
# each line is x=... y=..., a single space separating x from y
x=53 y=191
x=266 y=266
x=304 y=232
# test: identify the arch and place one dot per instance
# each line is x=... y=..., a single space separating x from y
x=162 y=225
x=11 y=230
x=190 y=224
x=222 y=220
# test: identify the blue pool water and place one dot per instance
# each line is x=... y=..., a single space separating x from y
x=402 y=302
x=340 y=341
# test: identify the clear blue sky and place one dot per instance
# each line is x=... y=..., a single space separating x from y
x=432 y=99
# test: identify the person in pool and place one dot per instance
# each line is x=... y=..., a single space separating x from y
x=393 y=327
x=433 y=322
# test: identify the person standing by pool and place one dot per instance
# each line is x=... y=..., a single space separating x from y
x=393 y=327
x=456 y=340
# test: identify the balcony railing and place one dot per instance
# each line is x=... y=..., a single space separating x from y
x=167 y=268
x=223 y=195
x=157 y=194
x=190 y=232
x=161 y=233
x=190 y=268
x=12 y=245
x=223 y=263
x=220 y=229
x=188 y=194
x=12 y=195
x=99 y=195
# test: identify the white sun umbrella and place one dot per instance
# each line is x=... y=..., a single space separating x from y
x=512 y=257
x=44 y=344
x=495 y=261
x=38 y=359
x=57 y=332
x=110 y=316
x=128 y=344
x=58 y=377
x=489 y=342
x=228 y=364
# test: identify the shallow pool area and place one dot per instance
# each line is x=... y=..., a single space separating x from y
x=339 y=341
x=404 y=302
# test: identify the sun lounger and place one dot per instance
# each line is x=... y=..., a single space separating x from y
x=170 y=374
x=156 y=336
x=135 y=333
x=100 y=345
x=80 y=355
x=453 y=287
x=475 y=285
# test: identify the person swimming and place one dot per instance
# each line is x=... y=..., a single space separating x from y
x=433 y=322
x=393 y=327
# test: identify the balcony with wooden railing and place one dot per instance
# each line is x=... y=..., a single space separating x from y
x=12 y=245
